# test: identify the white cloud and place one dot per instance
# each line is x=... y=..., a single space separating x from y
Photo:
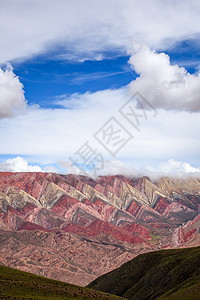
x=70 y=168
x=85 y=28
x=110 y=167
x=12 y=98
x=57 y=134
x=164 y=85
x=18 y=164
x=174 y=166
x=169 y=168
x=114 y=167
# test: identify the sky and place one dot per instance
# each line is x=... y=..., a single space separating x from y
x=100 y=87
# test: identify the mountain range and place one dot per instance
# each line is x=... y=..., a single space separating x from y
x=75 y=228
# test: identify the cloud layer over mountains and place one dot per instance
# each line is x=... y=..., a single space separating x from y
x=112 y=167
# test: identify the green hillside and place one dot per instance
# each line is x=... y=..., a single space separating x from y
x=164 y=274
x=15 y=284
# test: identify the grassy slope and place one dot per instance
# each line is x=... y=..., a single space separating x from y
x=165 y=274
x=15 y=284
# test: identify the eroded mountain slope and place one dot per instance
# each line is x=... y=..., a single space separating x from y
x=74 y=228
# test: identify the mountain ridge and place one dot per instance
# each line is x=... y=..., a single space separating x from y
x=165 y=274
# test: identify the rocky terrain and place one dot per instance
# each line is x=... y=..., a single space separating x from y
x=74 y=229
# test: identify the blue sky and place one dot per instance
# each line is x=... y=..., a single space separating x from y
x=76 y=66
x=45 y=77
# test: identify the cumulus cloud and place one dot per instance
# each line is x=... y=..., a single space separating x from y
x=98 y=26
x=18 y=164
x=164 y=85
x=174 y=166
x=12 y=98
